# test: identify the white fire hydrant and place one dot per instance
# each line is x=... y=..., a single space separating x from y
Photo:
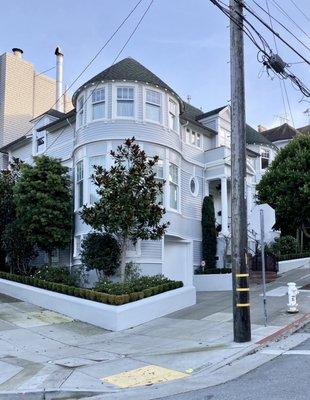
x=292 y=291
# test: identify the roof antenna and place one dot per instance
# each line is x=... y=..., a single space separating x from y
x=189 y=98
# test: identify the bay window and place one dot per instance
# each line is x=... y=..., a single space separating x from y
x=79 y=184
x=174 y=186
x=94 y=161
x=153 y=106
x=125 y=102
x=98 y=103
x=173 y=124
x=80 y=111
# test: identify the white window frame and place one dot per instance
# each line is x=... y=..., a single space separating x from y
x=92 y=103
x=263 y=152
x=177 y=184
x=175 y=128
x=189 y=134
x=91 y=171
x=148 y=102
x=38 y=136
x=80 y=112
x=115 y=101
x=196 y=192
x=77 y=187
x=160 y=164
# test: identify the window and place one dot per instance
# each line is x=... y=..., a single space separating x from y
x=265 y=157
x=98 y=103
x=174 y=185
x=194 y=186
x=153 y=106
x=79 y=184
x=173 y=115
x=80 y=111
x=125 y=102
x=159 y=170
x=98 y=160
x=40 y=144
x=193 y=138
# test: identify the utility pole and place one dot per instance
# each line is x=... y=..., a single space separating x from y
x=240 y=272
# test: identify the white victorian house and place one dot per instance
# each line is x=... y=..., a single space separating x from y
x=128 y=100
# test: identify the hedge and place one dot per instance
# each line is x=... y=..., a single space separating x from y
x=285 y=257
x=211 y=271
x=90 y=294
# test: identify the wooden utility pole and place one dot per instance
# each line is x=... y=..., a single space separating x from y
x=240 y=272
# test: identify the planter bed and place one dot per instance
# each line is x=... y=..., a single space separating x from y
x=212 y=282
x=112 y=317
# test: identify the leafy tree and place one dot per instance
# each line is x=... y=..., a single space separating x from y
x=43 y=203
x=209 y=236
x=286 y=186
x=100 y=251
x=8 y=179
x=127 y=207
x=18 y=248
x=282 y=246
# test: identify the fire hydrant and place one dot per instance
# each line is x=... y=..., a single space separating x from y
x=292 y=291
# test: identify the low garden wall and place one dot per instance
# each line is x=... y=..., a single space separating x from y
x=212 y=282
x=287 y=265
x=112 y=317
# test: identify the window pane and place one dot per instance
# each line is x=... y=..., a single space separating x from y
x=124 y=93
x=125 y=108
x=152 y=112
x=98 y=110
x=198 y=139
x=173 y=196
x=98 y=95
x=80 y=104
x=80 y=193
x=159 y=169
x=193 y=138
x=172 y=107
x=173 y=173
x=79 y=171
x=153 y=97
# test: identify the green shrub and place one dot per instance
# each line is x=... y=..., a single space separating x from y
x=59 y=274
x=132 y=271
x=209 y=234
x=283 y=245
x=100 y=252
x=212 y=271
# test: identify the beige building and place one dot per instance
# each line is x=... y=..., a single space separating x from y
x=24 y=95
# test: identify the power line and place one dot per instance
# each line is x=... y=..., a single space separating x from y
x=288 y=16
x=280 y=23
x=114 y=61
x=299 y=9
x=93 y=59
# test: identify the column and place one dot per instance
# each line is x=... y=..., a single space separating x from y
x=207 y=188
x=224 y=205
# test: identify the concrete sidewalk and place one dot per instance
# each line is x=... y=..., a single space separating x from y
x=42 y=350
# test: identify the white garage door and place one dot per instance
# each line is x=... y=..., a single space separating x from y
x=177 y=261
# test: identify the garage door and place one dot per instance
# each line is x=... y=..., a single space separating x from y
x=177 y=261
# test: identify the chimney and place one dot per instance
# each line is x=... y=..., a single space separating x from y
x=261 y=128
x=17 y=52
x=59 y=80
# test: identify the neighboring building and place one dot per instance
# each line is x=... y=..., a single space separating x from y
x=24 y=94
x=281 y=135
x=128 y=100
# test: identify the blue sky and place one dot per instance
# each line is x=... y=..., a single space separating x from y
x=186 y=43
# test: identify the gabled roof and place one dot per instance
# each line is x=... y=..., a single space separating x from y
x=190 y=113
x=20 y=140
x=254 y=137
x=209 y=113
x=304 y=129
x=52 y=113
x=127 y=69
x=59 y=122
x=282 y=132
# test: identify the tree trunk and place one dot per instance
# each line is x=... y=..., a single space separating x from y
x=123 y=258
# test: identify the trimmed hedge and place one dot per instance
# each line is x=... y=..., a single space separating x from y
x=293 y=256
x=90 y=294
x=212 y=271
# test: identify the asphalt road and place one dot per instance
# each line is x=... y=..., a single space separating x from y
x=287 y=377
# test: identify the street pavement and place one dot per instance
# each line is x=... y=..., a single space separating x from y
x=191 y=349
x=286 y=377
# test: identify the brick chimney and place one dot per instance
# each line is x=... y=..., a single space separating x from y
x=261 y=128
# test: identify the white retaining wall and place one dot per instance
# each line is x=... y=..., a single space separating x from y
x=288 y=265
x=115 y=318
x=212 y=282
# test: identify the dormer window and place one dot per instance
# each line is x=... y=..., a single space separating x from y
x=40 y=143
x=153 y=106
x=193 y=138
x=80 y=111
x=125 y=102
x=265 y=159
x=173 y=123
x=98 y=103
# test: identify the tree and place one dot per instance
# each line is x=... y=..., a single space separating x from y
x=127 y=207
x=18 y=248
x=286 y=186
x=43 y=204
x=209 y=237
x=100 y=251
x=8 y=179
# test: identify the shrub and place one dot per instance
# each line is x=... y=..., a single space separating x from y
x=212 y=271
x=283 y=245
x=101 y=252
x=209 y=235
x=59 y=274
x=132 y=271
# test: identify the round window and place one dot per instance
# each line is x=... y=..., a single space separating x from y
x=194 y=186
